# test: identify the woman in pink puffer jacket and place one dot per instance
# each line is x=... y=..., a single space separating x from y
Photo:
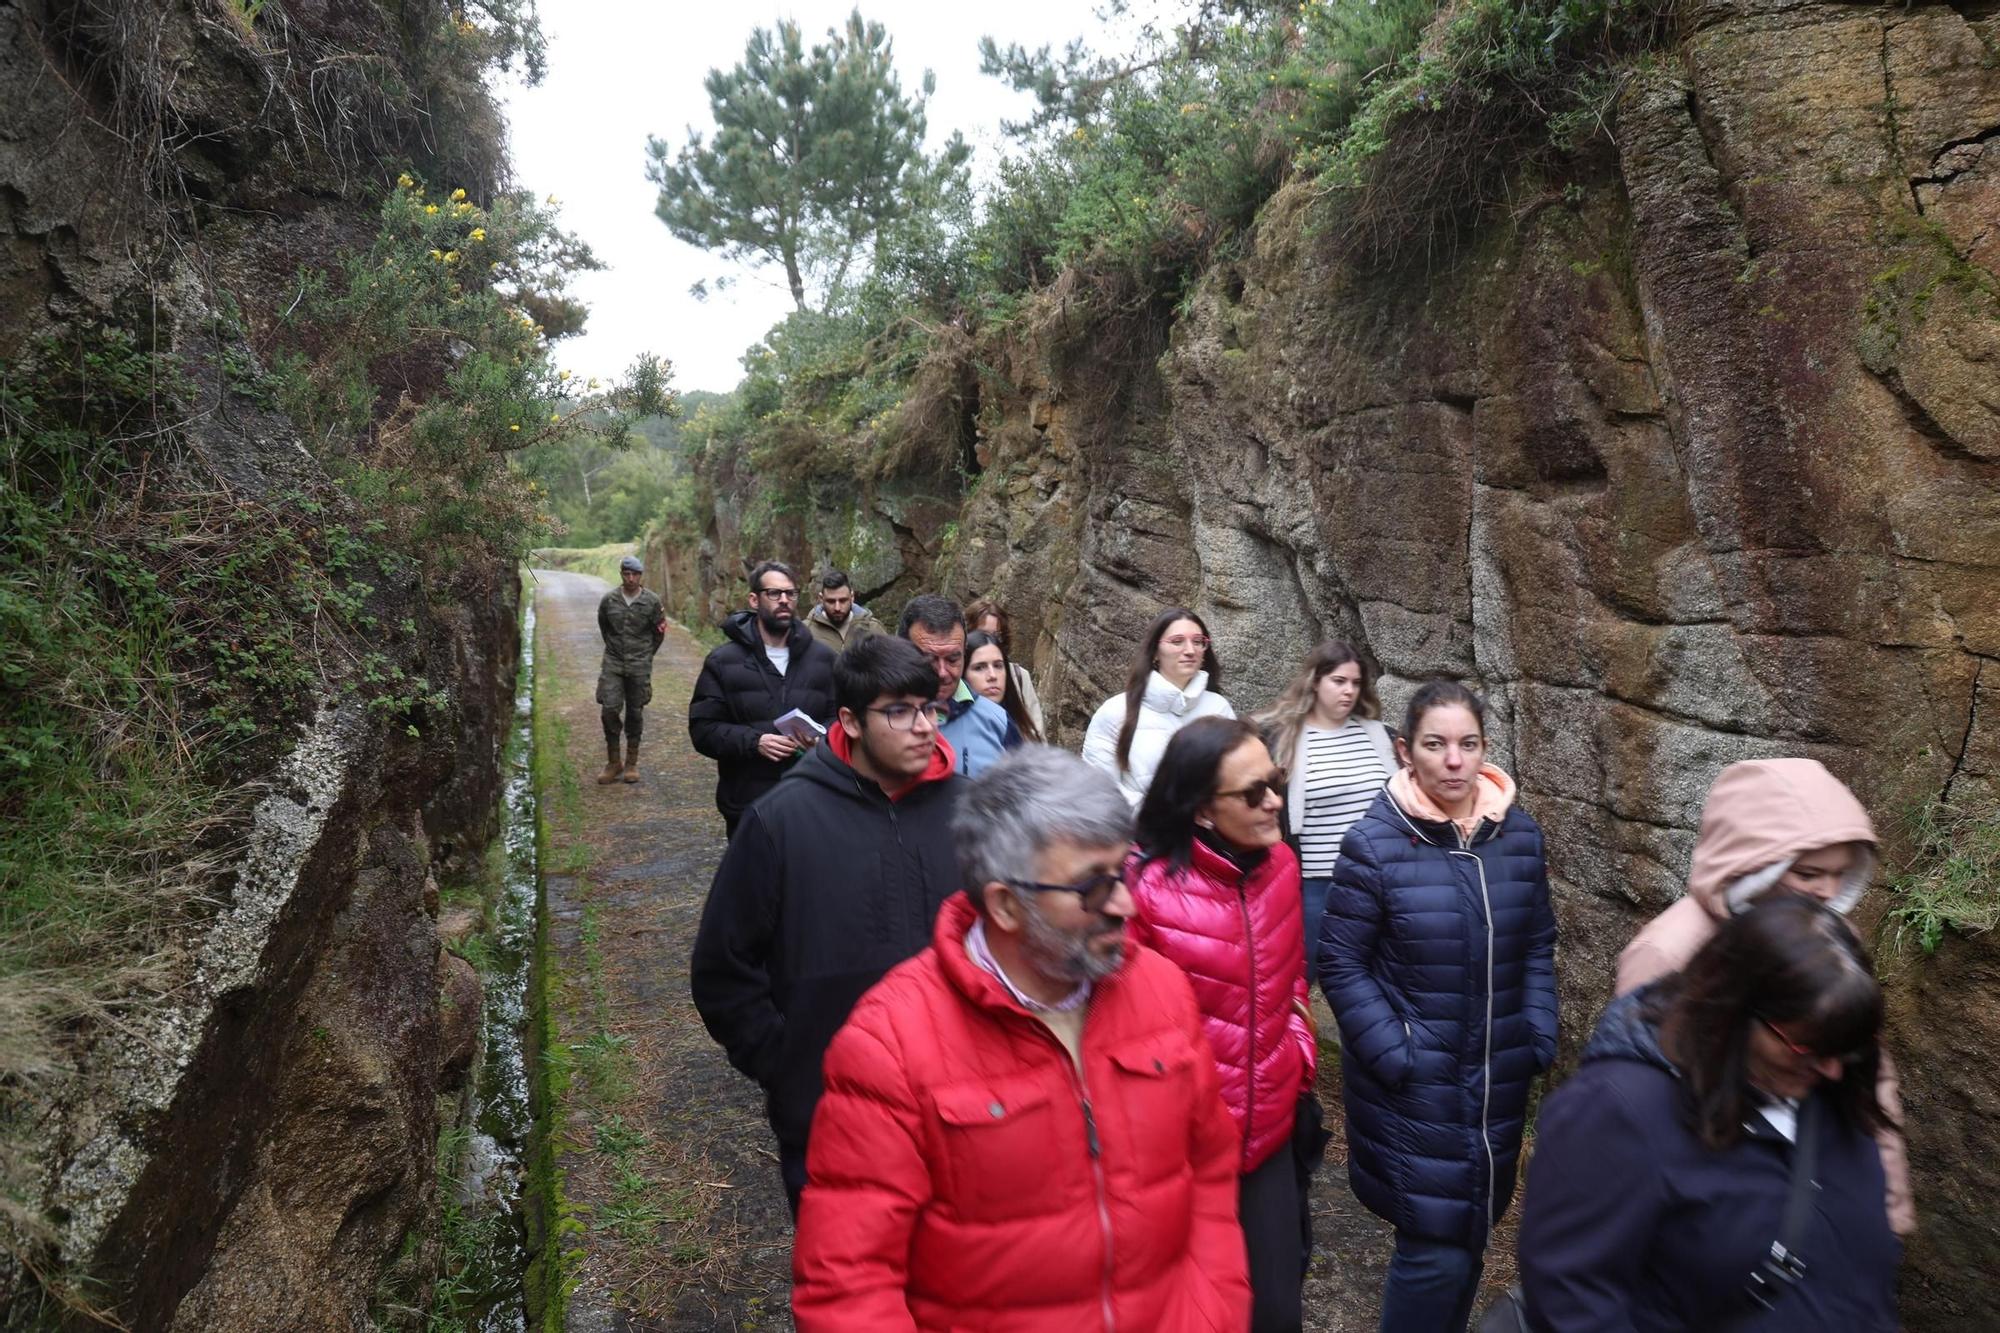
x=1217 y=892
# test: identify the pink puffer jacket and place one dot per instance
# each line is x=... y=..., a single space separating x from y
x=1240 y=940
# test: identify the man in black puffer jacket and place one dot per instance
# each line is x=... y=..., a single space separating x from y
x=768 y=664
x=833 y=879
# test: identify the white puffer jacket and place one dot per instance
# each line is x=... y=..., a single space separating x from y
x=1163 y=710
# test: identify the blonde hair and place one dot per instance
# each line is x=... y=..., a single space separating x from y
x=1282 y=722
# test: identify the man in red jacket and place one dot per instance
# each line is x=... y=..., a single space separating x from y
x=1021 y=1127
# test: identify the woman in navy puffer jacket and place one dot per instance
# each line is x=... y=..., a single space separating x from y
x=1437 y=954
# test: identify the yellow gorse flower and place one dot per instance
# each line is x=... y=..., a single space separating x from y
x=476 y=234
x=451 y=256
x=458 y=194
x=430 y=208
x=406 y=180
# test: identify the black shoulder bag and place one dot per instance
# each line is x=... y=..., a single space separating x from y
x=1782 y=1266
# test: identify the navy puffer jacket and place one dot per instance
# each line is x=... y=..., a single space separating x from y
x=1438 y=958
x=1632 y=1225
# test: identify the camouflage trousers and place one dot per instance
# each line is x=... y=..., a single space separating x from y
x=617 y=693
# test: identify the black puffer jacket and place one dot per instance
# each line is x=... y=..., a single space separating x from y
x=738 y=696
x=826 y=886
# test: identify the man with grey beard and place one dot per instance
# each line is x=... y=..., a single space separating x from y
x=969 y=1137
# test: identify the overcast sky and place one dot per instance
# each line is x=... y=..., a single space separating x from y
x=620 y=70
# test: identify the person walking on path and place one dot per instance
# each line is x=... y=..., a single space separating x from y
x=988 y=673
x=1768 y=826
x=836 y=621
x=634 y=625
x=1216 y=891
x=977 y=727
x=987 y=616
x=1021 y=1128
x=767 y=665
x=1324 y=733
x=1437 y=956
x=1666 y=1168
x=1173 y=682
x=832 y=879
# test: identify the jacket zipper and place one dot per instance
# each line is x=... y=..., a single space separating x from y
x=1250 y=1063
x=1096 y=1148
x=1486 y=1056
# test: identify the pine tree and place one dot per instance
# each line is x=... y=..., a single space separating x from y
x=813 y=152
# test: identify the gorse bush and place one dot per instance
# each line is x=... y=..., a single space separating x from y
x=420 y=379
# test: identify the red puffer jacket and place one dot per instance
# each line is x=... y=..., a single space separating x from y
x=1240 y=940
x=964 y=1174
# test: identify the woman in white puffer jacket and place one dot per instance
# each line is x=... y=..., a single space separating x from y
x=1173 y=682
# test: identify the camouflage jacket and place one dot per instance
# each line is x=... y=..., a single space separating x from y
x=632 y=634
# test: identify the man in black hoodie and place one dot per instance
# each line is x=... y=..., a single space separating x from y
x=767 y=665
x=830 y=881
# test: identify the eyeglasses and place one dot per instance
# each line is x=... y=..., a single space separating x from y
x=1093 y=892
x=1180 y=641
x=1254 y=794
x=1807 y=1052
x=903 y=717
x=779 y=594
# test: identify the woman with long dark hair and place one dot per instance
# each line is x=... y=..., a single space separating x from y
x=1324 y=733
x=1216 y=890
x=1665 y=1169
x=987 y=672
x=1174 y=680
x=1437 y=955
x=988 y=615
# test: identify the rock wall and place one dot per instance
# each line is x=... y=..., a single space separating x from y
x=254 y=1147
x=1696 y=461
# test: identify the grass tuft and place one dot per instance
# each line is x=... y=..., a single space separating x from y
x=1951 y=880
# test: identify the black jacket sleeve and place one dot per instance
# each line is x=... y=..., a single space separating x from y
x=711 y=722
x=604 y=617
x=730 y=973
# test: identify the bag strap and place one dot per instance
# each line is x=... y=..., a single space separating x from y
x=1784 y=1266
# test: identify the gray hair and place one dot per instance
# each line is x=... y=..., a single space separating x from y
x=1034 y=797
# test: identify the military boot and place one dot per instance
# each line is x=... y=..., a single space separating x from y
x=631 y=761
x=611 y=768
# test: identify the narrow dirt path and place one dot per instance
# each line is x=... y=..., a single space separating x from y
x=668 y=1166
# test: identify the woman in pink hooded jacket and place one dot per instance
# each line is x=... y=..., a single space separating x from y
x=1217 y=892
x=1775 y=824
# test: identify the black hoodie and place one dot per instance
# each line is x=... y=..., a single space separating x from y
x=740 y=694
x=1631 y=1225
x=826 y=886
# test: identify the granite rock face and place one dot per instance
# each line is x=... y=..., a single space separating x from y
x=1694 y=464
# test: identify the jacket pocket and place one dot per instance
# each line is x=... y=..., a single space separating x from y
x=1155 y=1101
x=996 y=1138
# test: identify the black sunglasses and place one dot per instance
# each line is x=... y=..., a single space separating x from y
x=1094 y=892
x=1254 y=794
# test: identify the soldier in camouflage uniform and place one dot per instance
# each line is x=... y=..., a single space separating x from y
x=633 y=624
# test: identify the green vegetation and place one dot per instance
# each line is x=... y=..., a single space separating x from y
x=553 y=1226
x=455 y=297
x=1950 y=882
x=815 y=151
x=1406 y=122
